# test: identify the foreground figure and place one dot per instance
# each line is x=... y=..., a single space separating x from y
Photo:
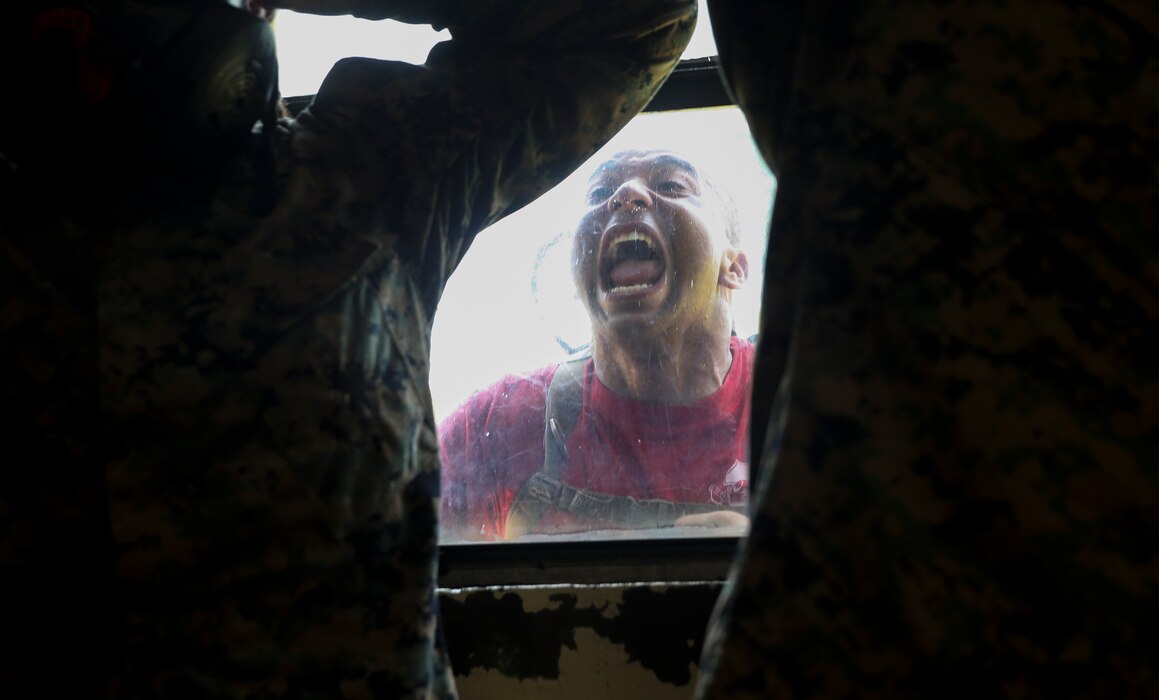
x=215 y=355
x=955 y=402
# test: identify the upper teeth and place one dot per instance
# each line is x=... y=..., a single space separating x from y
x=634 y=235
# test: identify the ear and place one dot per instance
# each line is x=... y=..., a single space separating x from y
x=734 y=269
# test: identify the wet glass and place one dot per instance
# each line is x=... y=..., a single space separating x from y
x=512 y=313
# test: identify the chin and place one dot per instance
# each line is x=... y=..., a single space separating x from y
x=629 y=328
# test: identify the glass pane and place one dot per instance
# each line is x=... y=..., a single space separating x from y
x=308 y=45
x=511 y=314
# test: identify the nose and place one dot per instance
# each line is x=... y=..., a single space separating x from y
x=631 y=192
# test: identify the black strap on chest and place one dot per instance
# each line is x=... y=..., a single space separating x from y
x=545 y=489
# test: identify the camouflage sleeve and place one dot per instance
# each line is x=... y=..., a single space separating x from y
x=523 y=93
x=954 y=404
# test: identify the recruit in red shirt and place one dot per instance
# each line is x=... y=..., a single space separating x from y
x=695 y=453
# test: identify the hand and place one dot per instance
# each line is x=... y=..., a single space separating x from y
x=262 y=9
x=717 y=518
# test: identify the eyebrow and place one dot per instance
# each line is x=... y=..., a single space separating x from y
x=678 y=162
x=661 y=160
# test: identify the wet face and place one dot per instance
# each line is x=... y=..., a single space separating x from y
x=651 y=253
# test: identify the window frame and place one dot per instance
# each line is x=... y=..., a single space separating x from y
x=586 y=562
x=695 y=83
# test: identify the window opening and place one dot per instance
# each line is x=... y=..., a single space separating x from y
x=536 y=320
x=309 y=45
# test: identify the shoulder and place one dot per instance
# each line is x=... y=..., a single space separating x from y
x=743 y=348
x=517 y=393
x=740 y=377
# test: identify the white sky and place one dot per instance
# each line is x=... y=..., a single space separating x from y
x=308 y=45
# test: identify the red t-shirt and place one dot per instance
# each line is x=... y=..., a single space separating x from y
x=694 y=453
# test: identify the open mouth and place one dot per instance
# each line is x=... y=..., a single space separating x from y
x=632 y=262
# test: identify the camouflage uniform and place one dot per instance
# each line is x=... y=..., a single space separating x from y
x=244 y=398
x=956 y=395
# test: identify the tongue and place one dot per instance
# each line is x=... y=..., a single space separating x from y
x=632 y=272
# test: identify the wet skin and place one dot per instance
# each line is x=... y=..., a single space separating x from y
x=656 y=198
x=655 y=270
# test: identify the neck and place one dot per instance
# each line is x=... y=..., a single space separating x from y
x=678 y=369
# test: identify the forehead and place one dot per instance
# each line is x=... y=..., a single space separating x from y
x=642 y=162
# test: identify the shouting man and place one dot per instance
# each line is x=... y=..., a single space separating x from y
x=650 y=429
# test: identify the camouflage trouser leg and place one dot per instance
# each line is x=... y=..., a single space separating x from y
x=959 y=499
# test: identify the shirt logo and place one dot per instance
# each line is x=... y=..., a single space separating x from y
x=734 y=490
